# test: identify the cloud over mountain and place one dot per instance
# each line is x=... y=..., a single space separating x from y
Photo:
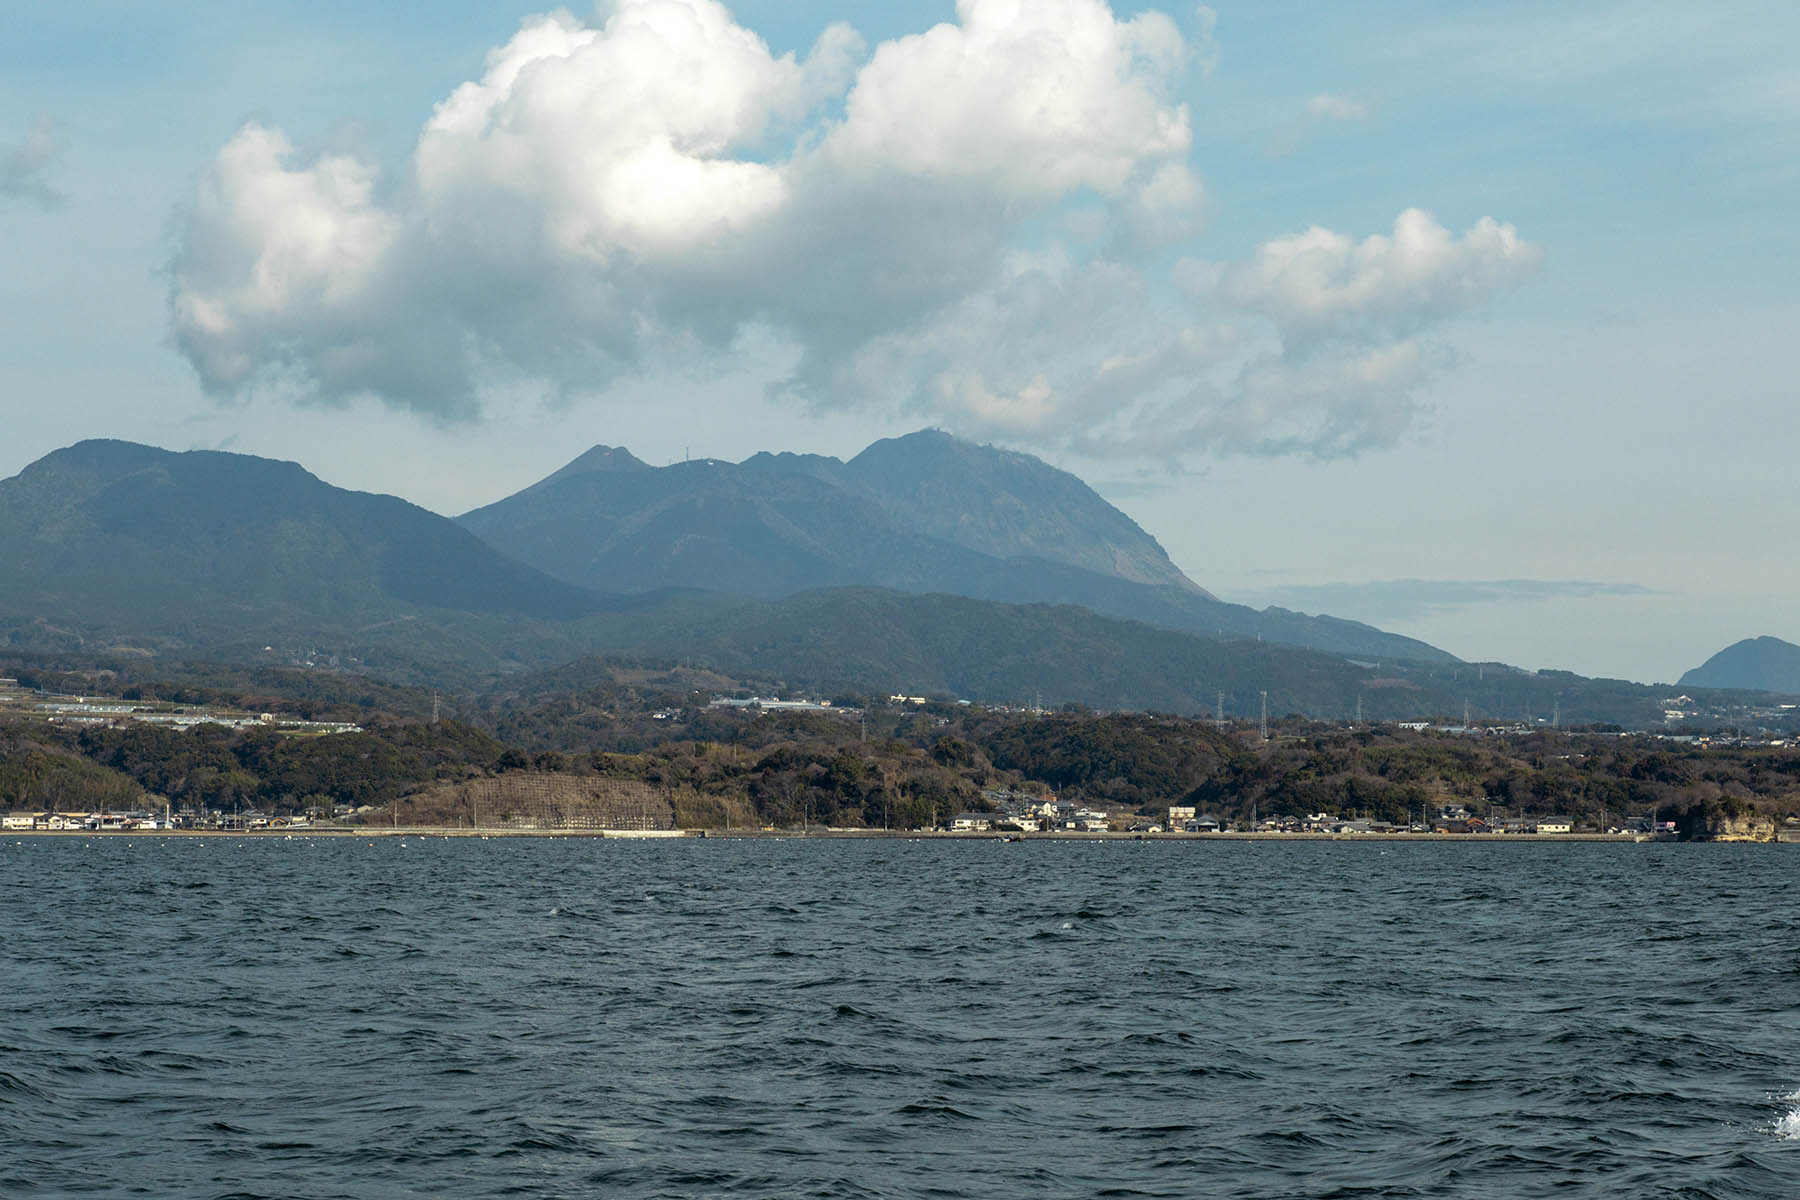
x=1349 y=319
x=663 y=182
x=968 y=225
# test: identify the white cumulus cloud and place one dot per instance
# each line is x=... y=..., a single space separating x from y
x=1321 y=283
x=658 y=183
x=970 y=225
x=1348 y=318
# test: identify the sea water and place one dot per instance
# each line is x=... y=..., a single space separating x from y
x=324 y=1017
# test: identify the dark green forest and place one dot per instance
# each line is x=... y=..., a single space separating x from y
x=893 y=766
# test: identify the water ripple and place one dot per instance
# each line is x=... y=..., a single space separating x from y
x=321 y=1018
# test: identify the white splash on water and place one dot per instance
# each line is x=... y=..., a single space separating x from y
x=1787 y=1126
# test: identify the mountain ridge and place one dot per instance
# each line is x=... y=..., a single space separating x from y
x=113 y=547
x=115 y=531
x=913 y=476
x=922 y=513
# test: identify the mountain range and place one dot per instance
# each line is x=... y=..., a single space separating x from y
x=924 y=513
x=886 y=572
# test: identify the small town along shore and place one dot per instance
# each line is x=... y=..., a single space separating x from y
x=914 y=835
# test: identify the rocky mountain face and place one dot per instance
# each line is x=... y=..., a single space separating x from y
x=925 y=513
x=118 y=534
x=1760 y=664
x=1007 y=505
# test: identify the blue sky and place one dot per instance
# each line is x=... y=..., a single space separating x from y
x=1542 y=417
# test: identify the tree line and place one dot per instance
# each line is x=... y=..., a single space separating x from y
x=899 y=767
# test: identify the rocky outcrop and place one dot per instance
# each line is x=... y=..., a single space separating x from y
x=1742 y=827
x=541 y=800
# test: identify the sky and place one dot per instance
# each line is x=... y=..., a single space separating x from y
x=1473 y=322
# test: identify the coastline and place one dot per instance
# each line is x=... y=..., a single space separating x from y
x=465 y=832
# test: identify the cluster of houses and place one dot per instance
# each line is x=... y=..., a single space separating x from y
x=1455 y=818
x=1016 y=812
x=141 y=821
x=1022 y=812
x=1449 y=819
x=93 y=822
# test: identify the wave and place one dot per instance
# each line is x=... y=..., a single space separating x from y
x=1787 y=1126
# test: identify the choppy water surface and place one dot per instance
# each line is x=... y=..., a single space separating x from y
x=313 y=1018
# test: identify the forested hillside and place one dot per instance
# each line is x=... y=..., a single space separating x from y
x=887 y=766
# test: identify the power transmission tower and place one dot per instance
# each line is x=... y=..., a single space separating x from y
x=1265 y=716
